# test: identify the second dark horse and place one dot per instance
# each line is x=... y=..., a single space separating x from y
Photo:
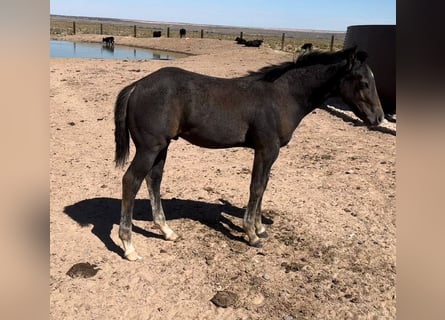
x=259 y=111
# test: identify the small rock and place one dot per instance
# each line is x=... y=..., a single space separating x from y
x=355 y=300
x=266 y=276
x=224 y=299
x=238 y=247
x=83 y=270
x=288 y=318
x=293 y=266
x=349 y=172
x=209 y=260
x=72 y=123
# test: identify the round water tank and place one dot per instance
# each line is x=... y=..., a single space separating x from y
x=379 y=41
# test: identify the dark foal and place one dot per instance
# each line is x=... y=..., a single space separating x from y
x=258 y=111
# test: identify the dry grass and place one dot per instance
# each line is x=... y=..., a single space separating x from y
x=272 y=38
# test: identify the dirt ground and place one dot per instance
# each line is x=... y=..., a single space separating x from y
x=330 y=208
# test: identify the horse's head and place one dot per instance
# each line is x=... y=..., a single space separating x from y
x=357 y=88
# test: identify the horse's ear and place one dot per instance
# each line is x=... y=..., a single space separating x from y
x=350 y=55
x=350 y=52
x=361 y=56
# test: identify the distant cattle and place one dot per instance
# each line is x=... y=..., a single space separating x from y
x=157 y=34
x=253 y=43
x=306 y=47
x=108 y=41
x=240 y=40
x=182 y=32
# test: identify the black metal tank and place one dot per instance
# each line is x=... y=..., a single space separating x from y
x=379 y=41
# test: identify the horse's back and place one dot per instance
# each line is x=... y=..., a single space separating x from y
x=207 y=111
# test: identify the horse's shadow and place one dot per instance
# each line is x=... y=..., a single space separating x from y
x=103 y=213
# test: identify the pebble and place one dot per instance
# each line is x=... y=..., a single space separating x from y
x=266 y=276
x=209 y=260
x=83 y=270
x=238 y=247
x=288 y=318
x=349 y=172
x=224 y=299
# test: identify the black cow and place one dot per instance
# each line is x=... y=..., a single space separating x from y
x=240 y=40
x=108 y=41
x=306 y=47
x=182 y=32
x=157 y=34
x=253 y=43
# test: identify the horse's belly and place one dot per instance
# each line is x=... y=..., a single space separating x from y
x=215 y=137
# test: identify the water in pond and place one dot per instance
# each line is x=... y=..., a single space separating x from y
x=69 y=49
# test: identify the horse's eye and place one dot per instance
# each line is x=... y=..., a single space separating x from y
x=363 y=85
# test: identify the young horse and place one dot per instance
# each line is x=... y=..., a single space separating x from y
x=259 y=111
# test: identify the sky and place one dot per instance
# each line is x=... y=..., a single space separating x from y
x=332 y=15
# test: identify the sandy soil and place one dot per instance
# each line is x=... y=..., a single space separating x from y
x=330 y=205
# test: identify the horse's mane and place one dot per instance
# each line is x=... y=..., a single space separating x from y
x=273 y=72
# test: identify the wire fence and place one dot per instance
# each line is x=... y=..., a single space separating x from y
x=290 y=42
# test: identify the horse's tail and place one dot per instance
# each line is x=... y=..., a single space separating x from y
x=121 y=133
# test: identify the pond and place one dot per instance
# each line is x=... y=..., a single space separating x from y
x=70 y=49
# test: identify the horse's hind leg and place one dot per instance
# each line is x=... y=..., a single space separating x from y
x=153 y=180
x=131 y=182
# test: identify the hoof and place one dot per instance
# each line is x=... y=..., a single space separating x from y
x=263 y=234
x=133 y=256
x=172 y=237
x=256 y=244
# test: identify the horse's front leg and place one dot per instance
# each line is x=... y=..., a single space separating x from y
x=262 y=163
x=154 y=185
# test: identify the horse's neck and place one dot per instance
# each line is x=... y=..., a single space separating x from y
x=312 y=85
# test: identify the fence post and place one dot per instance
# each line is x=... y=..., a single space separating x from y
x=202 y=33
x=134 y=31
x=282 y=41
x=332 y=43
x=74 y=27
x=168 y=32
x=241 y=34
x=101 y=29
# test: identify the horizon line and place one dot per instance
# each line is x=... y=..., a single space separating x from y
x=202 y=24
